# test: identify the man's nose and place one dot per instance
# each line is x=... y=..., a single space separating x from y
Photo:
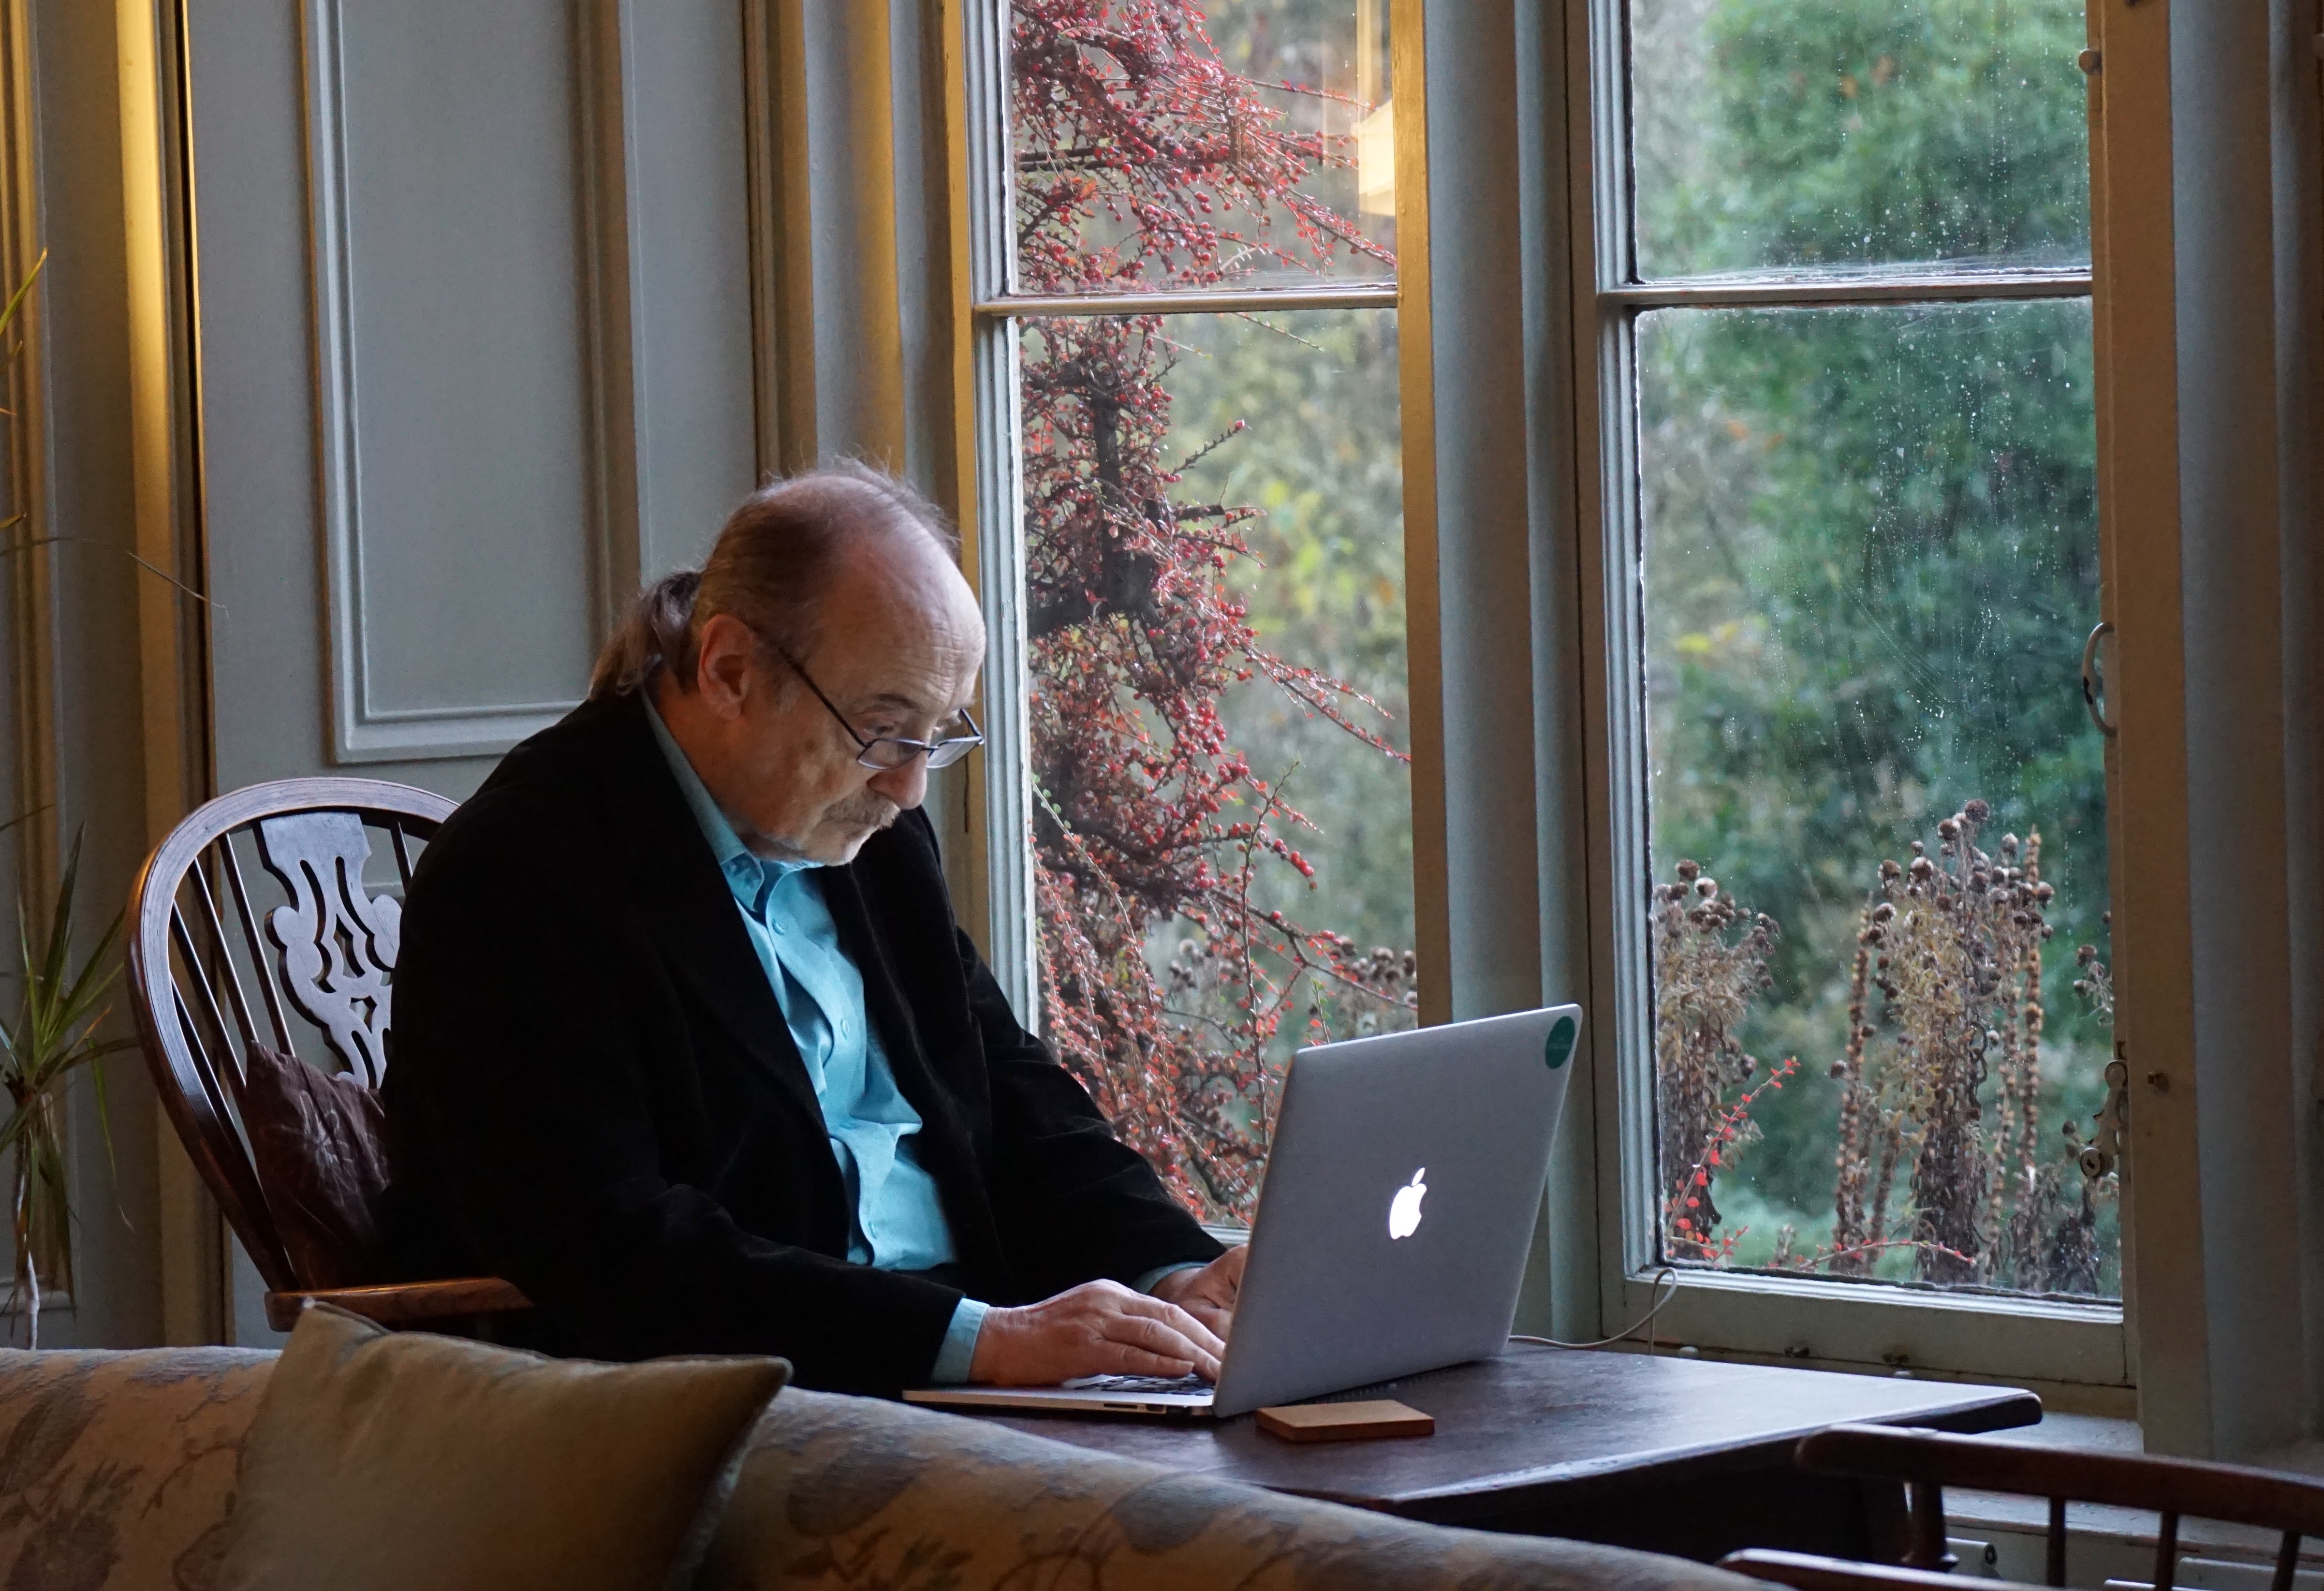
x=907 y=786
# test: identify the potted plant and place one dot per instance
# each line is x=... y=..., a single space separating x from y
x=53 y=1034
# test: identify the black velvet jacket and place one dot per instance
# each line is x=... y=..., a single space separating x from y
x=593 y=1094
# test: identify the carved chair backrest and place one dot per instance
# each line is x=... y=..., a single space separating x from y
x=221 y=959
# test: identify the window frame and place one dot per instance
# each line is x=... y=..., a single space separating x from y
x=1842 y=1323
x=1593 y=1272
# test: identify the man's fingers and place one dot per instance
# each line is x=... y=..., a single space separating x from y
x=1130 y=1360
x=1161 y=1340
x=1177 y=1320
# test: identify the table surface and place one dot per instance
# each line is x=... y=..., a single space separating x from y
x=1542 y=1422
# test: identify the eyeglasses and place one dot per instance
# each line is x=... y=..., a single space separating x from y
x=890 y=752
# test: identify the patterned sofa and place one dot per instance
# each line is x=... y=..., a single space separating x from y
x=117 y=1473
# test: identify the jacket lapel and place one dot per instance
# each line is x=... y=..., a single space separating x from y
x=683 y=897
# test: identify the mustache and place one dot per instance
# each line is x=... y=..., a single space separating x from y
x=864 y=810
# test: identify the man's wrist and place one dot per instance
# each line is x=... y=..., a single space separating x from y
x=958 y=1354
x=1154 y=1278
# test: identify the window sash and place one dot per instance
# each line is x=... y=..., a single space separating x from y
x=1812 y=1320
x=1000 y=772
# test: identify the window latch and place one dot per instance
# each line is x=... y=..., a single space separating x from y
x=2092 y=685
x=2104 y=1149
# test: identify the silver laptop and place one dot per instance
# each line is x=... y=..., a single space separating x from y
x=1392 y=1228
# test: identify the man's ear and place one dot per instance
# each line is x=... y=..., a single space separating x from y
x=726 y=667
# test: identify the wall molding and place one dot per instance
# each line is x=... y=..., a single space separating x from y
x=173 y=640
x=28 y=572
x=360 y=730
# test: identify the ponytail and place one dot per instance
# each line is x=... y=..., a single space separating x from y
x=657 y=633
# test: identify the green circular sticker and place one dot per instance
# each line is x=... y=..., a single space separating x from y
x=1559 y=1049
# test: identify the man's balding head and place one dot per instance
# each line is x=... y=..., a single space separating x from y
x=774 y=565
x=844 y=577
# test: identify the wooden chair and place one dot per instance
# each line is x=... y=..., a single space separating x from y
x=322 y=965
x=1929 y=1461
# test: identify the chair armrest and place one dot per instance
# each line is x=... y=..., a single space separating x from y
x=408 y=1303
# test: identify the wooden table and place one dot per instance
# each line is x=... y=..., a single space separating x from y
x=1672 y=1454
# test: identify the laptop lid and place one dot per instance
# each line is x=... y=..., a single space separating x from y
x=1402 y=1186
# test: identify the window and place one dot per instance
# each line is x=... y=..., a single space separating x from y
x=1843 y=299
x=1185 y=358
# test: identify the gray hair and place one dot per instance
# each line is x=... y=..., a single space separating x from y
x=773 y=563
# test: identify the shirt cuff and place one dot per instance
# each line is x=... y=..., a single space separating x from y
x=959 y=1350
x=1146 y=1282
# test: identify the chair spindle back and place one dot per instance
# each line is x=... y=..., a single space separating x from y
x=314 y=935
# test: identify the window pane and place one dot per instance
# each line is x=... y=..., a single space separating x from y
x=1876 y=806
x=1223 y=822
x=1240 y=144
x=1806 y=133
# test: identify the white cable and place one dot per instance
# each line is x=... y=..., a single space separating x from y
x=1666 y=1279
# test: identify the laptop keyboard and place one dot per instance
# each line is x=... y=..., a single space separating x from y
x=1138 y=1384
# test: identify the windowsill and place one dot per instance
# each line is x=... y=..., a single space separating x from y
x=2103 y=1313
x=2106 y=1405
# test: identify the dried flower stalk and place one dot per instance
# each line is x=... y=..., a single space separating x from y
x=1939 y=1077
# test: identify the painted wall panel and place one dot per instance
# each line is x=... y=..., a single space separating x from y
x=452 y=213
x=697 y=437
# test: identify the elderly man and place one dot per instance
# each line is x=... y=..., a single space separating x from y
x=689 y=1045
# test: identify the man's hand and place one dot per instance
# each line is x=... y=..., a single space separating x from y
x=1208 y=1294
x=1098 y=1328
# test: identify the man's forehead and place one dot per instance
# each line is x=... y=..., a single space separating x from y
x=911 y=673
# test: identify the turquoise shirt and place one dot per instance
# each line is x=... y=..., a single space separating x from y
x=899 y=1220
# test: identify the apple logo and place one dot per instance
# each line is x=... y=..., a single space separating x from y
x=1404 y=1210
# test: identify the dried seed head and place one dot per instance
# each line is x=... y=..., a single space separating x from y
x=1948 y=830
x=1706 y=887
x=1976 y=811
x=1687 y=869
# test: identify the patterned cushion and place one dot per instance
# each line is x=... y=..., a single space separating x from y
x=852 y=1492
x=117 y=1470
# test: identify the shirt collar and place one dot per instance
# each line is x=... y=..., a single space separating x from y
x=735 y=860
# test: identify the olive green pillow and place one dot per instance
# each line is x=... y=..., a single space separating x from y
x=397 y=1460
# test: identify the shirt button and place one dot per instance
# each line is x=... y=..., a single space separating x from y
x=779 y=930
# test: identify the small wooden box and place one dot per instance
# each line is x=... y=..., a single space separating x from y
x=1345 y=1422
